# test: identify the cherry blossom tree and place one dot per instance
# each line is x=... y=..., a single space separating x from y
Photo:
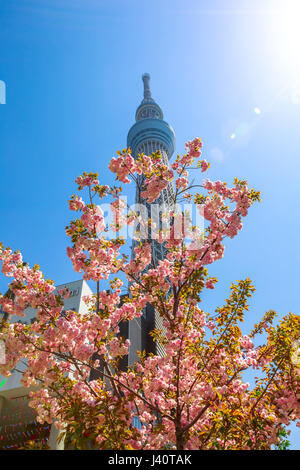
x=195 y=395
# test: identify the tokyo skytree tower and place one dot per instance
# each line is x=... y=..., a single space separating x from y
x=150 y=134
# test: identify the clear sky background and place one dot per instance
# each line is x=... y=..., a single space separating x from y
x=225 y=70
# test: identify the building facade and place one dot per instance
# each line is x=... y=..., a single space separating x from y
x=18 y=423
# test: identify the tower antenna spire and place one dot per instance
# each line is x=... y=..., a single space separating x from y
x=146 y=80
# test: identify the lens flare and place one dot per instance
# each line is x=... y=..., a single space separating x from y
x=285 y=23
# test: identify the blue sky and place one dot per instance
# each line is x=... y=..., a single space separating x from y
x=72 y=70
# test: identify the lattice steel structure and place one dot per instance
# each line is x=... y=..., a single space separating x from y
x=150 y=134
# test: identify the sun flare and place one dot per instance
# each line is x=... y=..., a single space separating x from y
x=286 y=22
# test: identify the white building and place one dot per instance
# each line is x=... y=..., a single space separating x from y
x=17 y=420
